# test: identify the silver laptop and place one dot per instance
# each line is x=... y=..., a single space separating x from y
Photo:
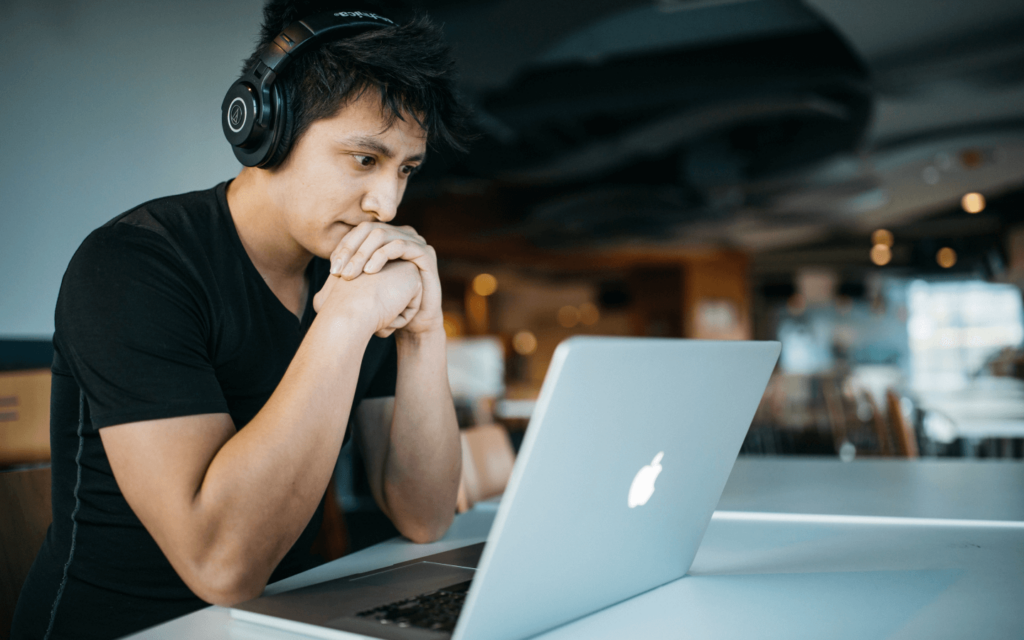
x=627 y=453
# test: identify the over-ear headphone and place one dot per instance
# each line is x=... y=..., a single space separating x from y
x=255 y=114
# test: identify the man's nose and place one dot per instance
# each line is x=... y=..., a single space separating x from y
x=382 y=199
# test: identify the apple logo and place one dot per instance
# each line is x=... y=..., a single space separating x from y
x=643 y=484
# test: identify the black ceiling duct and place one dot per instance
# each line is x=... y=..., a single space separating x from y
x=758 y=106
x=645 y=118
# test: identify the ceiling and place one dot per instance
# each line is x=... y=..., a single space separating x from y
x=762 y=125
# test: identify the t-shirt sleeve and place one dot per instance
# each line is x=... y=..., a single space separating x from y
x=386 y=378
x=131 y=325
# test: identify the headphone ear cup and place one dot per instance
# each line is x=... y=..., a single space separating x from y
x=283 y=128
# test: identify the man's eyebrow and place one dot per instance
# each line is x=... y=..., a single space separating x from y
x=381 y=149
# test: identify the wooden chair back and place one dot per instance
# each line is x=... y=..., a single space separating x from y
x=902 y=431
x=332 y=541
x=881 y=426
x=487 y=460
x=836 y=413
x=24 y=518
x=24 y=417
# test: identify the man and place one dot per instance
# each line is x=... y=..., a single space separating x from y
x=282 y=302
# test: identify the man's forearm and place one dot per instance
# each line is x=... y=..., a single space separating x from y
x=260 y=488
x=270 y=477
x=424 y=459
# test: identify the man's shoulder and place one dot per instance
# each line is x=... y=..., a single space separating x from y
x=174 y=231
x=184 y=214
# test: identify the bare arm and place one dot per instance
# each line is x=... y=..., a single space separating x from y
x=225 y=507
x=411 y=442
x=413 y=467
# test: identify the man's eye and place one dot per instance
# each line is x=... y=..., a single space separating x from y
x=366 y=161
x=410 y=170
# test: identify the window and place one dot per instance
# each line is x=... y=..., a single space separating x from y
x=955 y=327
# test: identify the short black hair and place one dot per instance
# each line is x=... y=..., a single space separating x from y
x=409 y=65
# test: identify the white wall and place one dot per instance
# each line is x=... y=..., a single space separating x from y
x=104 y=105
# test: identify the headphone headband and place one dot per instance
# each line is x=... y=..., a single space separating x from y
x=252 y=110
x=315 y=29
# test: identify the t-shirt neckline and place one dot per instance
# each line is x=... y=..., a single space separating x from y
x=253 y=272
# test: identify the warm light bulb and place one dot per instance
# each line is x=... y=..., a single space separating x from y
x=881 y=254
x=882 y=236
x=485 y=284
x=946 y=257
x=524 y=343
x=568 y=316
x=973 y=202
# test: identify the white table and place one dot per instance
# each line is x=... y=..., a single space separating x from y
x=978 y=428
x=926 y=488
x=955 y=570
x=987 y=408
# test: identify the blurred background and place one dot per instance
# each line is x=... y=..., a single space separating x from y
x=845 y=177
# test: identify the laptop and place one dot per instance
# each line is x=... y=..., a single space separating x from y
x=626 y=455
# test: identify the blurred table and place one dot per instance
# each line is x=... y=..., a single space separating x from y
x=515 y=409
x=953 y=569
x=988 y=408
x=924 y=488
x=978 y=429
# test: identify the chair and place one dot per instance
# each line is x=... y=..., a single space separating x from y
x=24 y=417
x=903 y=434
x=836 y=413
x=881 y=426
x=487 y=460
x=332 y=541
x=25 y=496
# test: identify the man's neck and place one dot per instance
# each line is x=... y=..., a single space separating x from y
x=261 y=228
x=280 y=260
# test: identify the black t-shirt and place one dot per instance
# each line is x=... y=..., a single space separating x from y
x=160 y=314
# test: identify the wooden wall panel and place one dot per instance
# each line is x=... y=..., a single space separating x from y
x=716 y=297
x=24 y=416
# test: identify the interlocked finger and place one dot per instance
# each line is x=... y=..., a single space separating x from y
x=394 y=250
x=377 y=238
x=403 y=318
x=363 y=241
x=349 y=245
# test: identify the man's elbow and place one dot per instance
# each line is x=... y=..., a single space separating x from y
x=427 y=531
x=224 y=587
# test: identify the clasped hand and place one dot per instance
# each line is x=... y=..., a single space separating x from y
x=404 y=299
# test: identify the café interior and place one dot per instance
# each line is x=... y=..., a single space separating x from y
x=844 y=178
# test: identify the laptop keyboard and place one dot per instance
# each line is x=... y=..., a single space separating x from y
x=437 y=610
